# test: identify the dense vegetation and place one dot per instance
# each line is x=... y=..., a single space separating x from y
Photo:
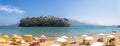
x=49 y=21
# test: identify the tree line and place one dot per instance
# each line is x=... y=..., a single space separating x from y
x=42 y=21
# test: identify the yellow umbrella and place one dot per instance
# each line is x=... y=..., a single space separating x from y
x=2 y=40
x=28 y=35
x=19 y=37
x=28 y=38
x=6 y=36
x=14 y=36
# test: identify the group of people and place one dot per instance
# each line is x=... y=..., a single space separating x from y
x=102 y=40
x=19 y=40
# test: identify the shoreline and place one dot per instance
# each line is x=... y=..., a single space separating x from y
x=51 y=40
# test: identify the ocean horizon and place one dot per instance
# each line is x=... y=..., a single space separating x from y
x=57 y=31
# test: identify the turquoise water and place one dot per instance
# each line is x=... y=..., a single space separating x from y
x=57 y=31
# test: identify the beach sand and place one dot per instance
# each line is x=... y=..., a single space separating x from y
x=78 y=40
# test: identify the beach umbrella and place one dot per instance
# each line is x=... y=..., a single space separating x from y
x=101 y=34
x=61 y=40
x=111 y=36
x=2 y=40
x=84 y=35
x=97 y=44
x=14 y=36
x=6 y=36
x=28 y=35
x=64 y=37
x=19 y=37
x=89 y=38
x=54 y=45
x=21 y=41
x=28 y=38
x=43 y=36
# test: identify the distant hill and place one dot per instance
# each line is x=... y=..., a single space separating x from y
x=14 y=25
x=10 y=25
x=77 y=23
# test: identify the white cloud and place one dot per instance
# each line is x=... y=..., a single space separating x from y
x=11 y=9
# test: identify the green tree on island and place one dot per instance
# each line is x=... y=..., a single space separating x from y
x=49 y=21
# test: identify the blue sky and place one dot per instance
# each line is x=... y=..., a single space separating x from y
x=99 y=12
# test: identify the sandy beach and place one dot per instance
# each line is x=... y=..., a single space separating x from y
x=79 y=39
x=59 y=23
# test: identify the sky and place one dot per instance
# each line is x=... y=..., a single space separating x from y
x=98 y=12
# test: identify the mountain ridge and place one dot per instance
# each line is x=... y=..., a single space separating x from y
x=78 y=23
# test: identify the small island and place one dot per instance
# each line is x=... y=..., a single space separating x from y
x=118 y=25
x=44 y=21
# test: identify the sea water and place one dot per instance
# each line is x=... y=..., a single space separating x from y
x=57 y=31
